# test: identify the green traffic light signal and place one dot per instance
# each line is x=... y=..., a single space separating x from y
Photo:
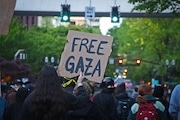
x=65 y=14
x=115 y=14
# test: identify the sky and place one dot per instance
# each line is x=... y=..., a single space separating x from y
x=105 y=24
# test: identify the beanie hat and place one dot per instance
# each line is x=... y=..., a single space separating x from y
x=158 y=91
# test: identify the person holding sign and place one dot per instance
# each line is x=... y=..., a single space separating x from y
x=49 y=101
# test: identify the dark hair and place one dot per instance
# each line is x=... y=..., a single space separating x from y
x=121 y=88
x=158 y=91
x=48 y=97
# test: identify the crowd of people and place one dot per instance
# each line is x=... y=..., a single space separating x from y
x=53 y=97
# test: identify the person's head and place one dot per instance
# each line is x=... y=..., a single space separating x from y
x=121 y=88
x=17 y=84
x=145 y=89
x=158 y=91
x=108 y=84
x=87 y=87
x=48 y=95
x=47 y=78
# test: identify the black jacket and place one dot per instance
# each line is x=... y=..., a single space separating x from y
x=88 y=112
x=13 y=111
x=106 y=105
x=124 y=96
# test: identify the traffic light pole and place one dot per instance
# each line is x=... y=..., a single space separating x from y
x=115 y=2
x=65 y=1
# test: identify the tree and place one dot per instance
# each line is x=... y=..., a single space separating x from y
x=152 y=40
x=47 y=22
x=156 y=6
x=38 y=42
x=13 y=41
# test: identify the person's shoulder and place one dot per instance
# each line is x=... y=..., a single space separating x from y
x=104 y=97
x=177 y=87
x=98 y=95
x=158 y=104
x=2 y=100
x=134 y=108
x=30 y=97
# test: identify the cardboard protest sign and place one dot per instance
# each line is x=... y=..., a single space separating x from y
x=6 y=14
x=85 y=52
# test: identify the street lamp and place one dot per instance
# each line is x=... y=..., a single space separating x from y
x=170 y=68
x=21 y=53
x=46 y=59
x=52 y=60
x=173 y=62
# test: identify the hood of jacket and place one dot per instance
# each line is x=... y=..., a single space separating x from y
x=122 y=95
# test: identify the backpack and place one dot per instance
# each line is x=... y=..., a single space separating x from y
x=123 y=108
x=147 y=111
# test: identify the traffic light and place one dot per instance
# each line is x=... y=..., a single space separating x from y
x=120 y=61
x=65 y=13
x=138 y=61
x=115 y=14
x=114 y=74
x=165 y=85
x=125 y=73
x=125 y=70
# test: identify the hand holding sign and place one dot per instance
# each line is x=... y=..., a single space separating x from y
x=80 y=79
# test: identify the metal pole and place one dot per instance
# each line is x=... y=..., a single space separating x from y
x=90 y=3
